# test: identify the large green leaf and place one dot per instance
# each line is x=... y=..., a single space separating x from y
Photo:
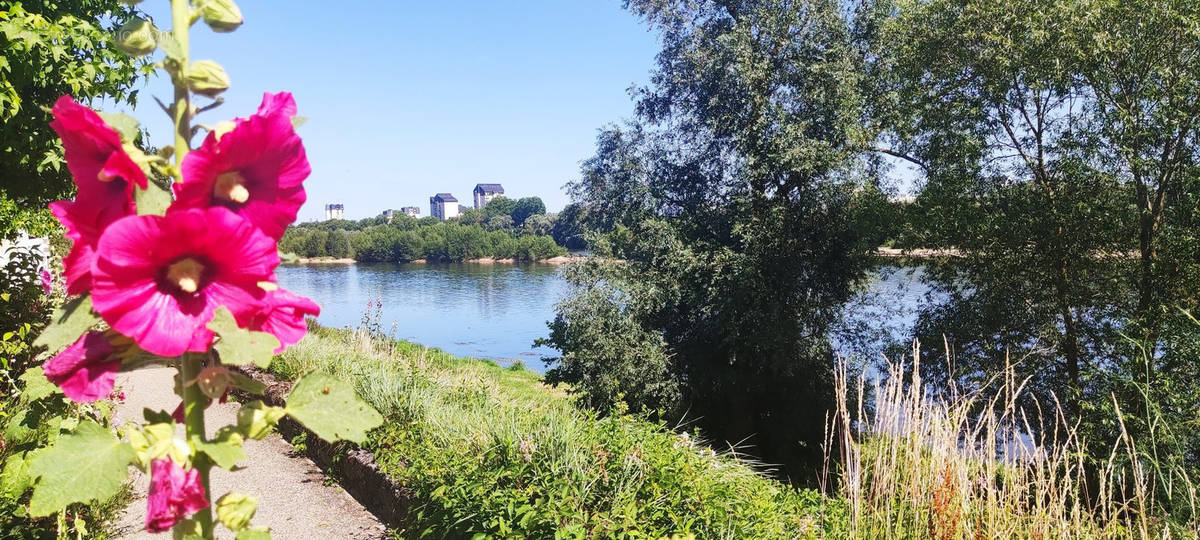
x=68 y=323
x=330 y=408
x=239 y=346
x=125 y=125
x=89 y=464
x=14 y=479
x=256 y=420
x=225 y=450
x=37 y=386
x=153 y=200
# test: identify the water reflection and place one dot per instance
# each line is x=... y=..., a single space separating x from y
x=497 y=311
x=468 y=309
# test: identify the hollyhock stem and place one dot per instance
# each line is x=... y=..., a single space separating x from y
x=194 y=402
x=181 y=19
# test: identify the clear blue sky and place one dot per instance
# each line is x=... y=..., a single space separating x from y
x=406 y=99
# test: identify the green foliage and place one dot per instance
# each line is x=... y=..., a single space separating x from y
x=500 y=206
x=568 y=230
x=48 y=49
x=407 y=239
x=87 y=464
x=1057 y=145
x=44 y=434
x=608 y=356
x=730 y=201
x=338 y=245
x=238 y=346
x=325 y=405
x=525 y=208
x=24 y=312
x=486 y=450
x=68 y=323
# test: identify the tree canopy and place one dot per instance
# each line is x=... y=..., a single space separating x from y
x=48 y=49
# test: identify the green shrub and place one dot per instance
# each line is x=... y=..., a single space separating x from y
x=31 y=421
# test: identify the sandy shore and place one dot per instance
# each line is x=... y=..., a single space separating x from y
x=321 y=260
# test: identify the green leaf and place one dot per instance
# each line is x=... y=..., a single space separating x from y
x=330 y=408
x=87 y=465
x=249 y=385
x=256 y=420
x=257 y=533
x=68 y=323
x=153 y=200
x=298 y=121
x=169 y=45
x=239 y=346
x=15 y=479
x=235 y=510
x=125 y=125
x=225 y=450
x=37 y=386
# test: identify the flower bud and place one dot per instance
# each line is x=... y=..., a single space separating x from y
x=221 y=15
x=207 y=78
x=136 y=37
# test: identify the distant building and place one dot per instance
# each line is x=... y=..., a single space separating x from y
x=443 y=206
x=335 y=211
x=412 y=211
x=486 y=192
x=389 y=214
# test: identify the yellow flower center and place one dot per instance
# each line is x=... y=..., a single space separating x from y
x=231 y=186
x=186 y=274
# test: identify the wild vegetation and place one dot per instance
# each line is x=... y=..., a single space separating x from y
x=1052 y=144
x=493 y=231
x=490 y=450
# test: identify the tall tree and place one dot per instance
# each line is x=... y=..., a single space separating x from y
x=728 y=202
x=1056 y=139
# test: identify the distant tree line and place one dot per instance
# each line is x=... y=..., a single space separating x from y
x=504 y=229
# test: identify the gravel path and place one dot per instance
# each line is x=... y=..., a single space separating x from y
x=293 y=498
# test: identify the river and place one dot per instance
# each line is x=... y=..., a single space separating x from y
x=496 y=311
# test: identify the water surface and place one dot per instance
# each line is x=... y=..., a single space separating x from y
x=497 y=311
x=468 y=309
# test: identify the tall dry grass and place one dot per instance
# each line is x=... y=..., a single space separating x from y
x=976 y=465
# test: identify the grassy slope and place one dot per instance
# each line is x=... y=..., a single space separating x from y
x=491 y=450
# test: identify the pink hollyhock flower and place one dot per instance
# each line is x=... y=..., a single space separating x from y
x=256 y=169
x=283 y=315
x=95 y=157
x=84 y=220
x=158 y=279
x=87 y=370
x=175 y=493
x=279 y=103
x=46 y=281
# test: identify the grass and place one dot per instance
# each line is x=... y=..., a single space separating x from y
x=489 y=450
x=977 y=465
